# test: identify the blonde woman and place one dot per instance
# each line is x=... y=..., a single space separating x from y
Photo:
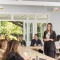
x=11 y=52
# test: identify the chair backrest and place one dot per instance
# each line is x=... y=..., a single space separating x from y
x=58 y=37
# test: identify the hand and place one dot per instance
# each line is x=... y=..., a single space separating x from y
x=22 y=45
x=35 y=44
x=38 y=44
x=51 y=39
x=48 y=39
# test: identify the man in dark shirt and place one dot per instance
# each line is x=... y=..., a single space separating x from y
x=22 y=42
x=36 y=42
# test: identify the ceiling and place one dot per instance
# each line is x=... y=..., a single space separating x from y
x=38 y=0
x=44 y=0
x=31 y=2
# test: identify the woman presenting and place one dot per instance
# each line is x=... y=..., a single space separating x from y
x=49 y=38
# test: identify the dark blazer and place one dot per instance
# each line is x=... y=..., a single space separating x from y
x=37 y=42
x=50 y=44
x=14 y=56
x=23 y=43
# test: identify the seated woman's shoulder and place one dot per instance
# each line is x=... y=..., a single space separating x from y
x=19 y=57
x=14 y=56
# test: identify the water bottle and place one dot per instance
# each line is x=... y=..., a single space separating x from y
x=35 y=44
x=36 y=57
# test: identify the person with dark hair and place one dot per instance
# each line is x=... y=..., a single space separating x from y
x=36 y=42
x=7 y=38
x=11 y=52
x=49 y=38
x=58 y=37
x=22 y=42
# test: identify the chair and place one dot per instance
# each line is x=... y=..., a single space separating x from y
x=58 y=37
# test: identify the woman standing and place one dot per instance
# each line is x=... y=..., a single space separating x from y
x=49 y=38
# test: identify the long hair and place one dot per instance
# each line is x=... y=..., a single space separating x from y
x=50 y=28
x=6 y=38
x=12 y=47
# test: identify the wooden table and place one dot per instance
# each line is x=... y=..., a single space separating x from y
x=32 y=53
x=37 y=47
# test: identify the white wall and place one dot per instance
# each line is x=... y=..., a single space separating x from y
x=54 y=16
x=55 y=20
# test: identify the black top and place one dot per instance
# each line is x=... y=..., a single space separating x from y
x=58 y=37
x=14 y=56
x=50 y=44
x=33 y=42
x=23 y=43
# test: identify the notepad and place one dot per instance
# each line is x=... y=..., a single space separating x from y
x=39 y=59
x=42 y=59
x=33 y=59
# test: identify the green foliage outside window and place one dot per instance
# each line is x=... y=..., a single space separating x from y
x=11 y=29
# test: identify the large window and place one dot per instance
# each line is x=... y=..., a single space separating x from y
x=14 y=24
x=12 y=28
x=41 y=27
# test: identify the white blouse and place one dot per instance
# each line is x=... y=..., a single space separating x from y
x=48 y=35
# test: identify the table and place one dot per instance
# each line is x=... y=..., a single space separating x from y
x=22 y=50
x=58 y=47
x=37 y=47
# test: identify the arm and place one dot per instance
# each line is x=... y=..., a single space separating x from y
x=54 y=36
x=54 y=39
x=24 y=43
x=32 y=44
x=40 y=43
x=46 y=39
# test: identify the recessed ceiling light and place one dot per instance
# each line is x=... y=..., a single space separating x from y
x=1 y=7
x=55 y=9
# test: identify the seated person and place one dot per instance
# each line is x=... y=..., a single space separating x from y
x=0 y=36
x=36 y=42
x=7 y=38
x=11 y=52
x=22 y=42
